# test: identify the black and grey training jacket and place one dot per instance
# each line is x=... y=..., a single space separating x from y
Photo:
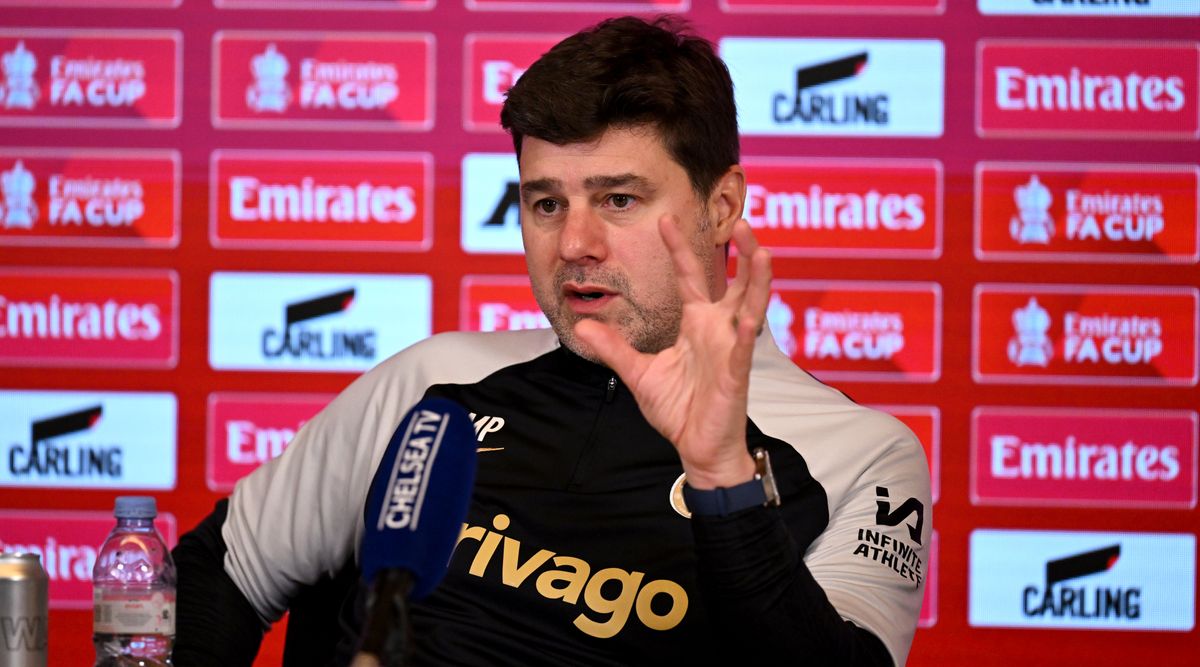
x=574 y=551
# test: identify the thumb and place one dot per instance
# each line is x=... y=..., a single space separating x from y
x=610 y=347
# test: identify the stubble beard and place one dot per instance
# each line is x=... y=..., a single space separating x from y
x=649 y=327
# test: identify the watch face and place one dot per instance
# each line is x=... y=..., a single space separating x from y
x=762 y=465
x=676 y=497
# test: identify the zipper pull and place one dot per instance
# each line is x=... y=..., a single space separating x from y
x=611 y=390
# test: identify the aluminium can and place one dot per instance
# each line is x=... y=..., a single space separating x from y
x=24 y=602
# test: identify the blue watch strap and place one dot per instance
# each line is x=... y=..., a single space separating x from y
x=723 y=501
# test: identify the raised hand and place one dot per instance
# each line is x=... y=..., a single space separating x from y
x=694 y=392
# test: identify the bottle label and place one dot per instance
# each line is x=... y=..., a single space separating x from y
x=124 y=613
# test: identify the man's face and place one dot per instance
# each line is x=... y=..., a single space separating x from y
x=589 y=218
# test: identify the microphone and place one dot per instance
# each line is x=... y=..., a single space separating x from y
x=414 y=513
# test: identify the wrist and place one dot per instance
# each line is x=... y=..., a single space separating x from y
x=737 y=471
x=758 y=491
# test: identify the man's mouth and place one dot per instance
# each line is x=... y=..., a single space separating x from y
x=586 y=291
x=587 y=295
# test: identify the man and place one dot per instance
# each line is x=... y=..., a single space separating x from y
x=577 y=547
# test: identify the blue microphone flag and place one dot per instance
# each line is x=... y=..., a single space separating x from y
x=419 y=496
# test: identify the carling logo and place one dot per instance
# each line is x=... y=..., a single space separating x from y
x=1087 y=212
x=330 y=81
x=1121 y=9
x=926 y=423
x=93 y=317
x=499 y=303
x=491 y=204
x=90 y=77
x=314 y=322
x=87 y=440
x=1087 y=89
x=837 y=87
x=247 y=430
x=845 y=208
x=67 y=543
x=493 y=63
x=859 y=330
x=321 y=200
x=1082 y=580
x=88 y=197
x=1075 y=334
x=835 y=6
x=1084 y=458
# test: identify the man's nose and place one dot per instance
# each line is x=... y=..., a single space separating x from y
x=584 y=237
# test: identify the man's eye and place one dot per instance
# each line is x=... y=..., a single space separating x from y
x=621 y=201
x=547 y=206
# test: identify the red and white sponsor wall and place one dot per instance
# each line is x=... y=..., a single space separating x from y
x=984 y=215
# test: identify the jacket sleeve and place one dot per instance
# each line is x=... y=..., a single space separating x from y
x=852 y=597
x=298 y=518
x=289 y=525
x=215 y=624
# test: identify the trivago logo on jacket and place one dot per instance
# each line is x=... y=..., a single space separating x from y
x=89 y=197
x=333 y=81
x=1088 y=89
x=68 y=543
x=1087 y=212
x=1085 y=334
x=90 y=77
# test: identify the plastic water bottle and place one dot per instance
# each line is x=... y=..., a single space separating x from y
x=133 y=590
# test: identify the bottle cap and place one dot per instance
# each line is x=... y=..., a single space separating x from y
x=135 y=507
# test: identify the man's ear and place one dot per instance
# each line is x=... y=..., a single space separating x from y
x=726 y=201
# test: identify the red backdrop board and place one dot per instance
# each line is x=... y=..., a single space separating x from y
x=990 y=229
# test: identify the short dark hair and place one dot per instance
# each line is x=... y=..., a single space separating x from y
x=626 y=72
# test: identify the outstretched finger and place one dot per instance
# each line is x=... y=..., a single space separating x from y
x=693 y=284
x=753 y=307
x=745 y=244
x=757 y=262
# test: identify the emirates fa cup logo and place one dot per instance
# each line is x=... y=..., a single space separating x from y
x=17 y=208
x=779 y=319
x=19 y=91
x=1033 y=223
x=1031 y=346
x=270 y=91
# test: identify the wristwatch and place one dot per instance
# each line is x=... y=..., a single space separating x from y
x=723 y=501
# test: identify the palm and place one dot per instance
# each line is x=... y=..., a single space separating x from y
x=695 y=391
